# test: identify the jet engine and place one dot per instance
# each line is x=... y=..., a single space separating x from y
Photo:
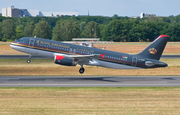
x=63 y=60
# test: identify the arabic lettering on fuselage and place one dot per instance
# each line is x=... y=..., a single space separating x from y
x=64 y=46
x=53 y=44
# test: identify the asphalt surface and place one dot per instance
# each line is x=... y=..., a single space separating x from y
x=89 y=81
x=39 y=57
x=20 y=57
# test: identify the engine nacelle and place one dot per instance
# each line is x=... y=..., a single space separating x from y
x=63 y=60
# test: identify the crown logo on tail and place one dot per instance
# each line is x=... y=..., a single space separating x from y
x=152 y=51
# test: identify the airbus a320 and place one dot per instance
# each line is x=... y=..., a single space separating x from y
x=71 y=55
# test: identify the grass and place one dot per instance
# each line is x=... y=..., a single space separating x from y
x=53 y=101
x=90 y=101
x=172 y=48
x=47 y=67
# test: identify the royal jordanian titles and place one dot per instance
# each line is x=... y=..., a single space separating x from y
x=71 y=55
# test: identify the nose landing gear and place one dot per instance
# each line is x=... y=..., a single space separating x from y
x=29 y=60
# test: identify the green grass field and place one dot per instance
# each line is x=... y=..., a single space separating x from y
x=106 y=101
x=47 y=67
x=172 y=48
x=80 y=101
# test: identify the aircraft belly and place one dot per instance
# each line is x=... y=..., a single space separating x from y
x=116 y=66
x=34 y=52
x=40 y=52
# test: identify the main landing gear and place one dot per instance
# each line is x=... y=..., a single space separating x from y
x=81 y=70
x=29 y=60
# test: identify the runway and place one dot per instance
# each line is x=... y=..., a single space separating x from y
x=39 y=57
x=89 y=81
x=21 y=57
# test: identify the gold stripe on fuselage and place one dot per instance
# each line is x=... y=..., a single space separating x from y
x=45 y=49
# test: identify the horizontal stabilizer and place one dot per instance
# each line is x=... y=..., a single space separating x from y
x=150 y=63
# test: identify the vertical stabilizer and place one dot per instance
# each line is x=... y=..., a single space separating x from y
x=155 y=49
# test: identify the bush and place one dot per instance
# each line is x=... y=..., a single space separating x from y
x=13 y=38
x=4 y=40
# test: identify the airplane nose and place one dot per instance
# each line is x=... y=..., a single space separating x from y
x=11 y=45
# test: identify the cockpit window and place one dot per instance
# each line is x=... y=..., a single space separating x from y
x=19 y=40
x=23 y=40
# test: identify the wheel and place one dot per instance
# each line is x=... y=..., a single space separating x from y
x=81 y=70
x=28 y=61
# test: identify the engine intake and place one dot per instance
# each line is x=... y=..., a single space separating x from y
x=62 y=60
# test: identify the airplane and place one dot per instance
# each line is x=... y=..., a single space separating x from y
x=70 y=55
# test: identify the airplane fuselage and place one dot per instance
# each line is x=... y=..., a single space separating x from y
x=109 y=59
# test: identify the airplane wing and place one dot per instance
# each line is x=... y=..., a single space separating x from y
x=84 y=59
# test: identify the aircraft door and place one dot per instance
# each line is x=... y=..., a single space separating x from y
x=31 y=43
x=134 y=61
x=70 y=50
x=74 y=51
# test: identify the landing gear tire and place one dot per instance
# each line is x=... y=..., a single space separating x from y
x=28 y=61
x=81 y=70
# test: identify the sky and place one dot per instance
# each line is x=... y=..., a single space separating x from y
x=128 y=8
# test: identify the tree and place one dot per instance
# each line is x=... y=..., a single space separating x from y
x=90 y=30
x=137 y=33
x=19 y=31
x=82 y=25
x=113 y=31
x=8 y=28
x=57 y=32
x=28 y=31
x=100 y=28
x=1 y=31
x=145 y=31
x=174 y=31
x=42 y=30
x=66 y=30
x=114 y=28
x=115 y=16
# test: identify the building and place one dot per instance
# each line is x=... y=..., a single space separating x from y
x=15 y=12
x=86 y=41
x=54 y=14
x=11 y=12
x=142 y=15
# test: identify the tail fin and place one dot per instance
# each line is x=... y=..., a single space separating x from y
x=155 y=49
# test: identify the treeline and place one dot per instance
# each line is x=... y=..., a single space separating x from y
x=118 y=29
